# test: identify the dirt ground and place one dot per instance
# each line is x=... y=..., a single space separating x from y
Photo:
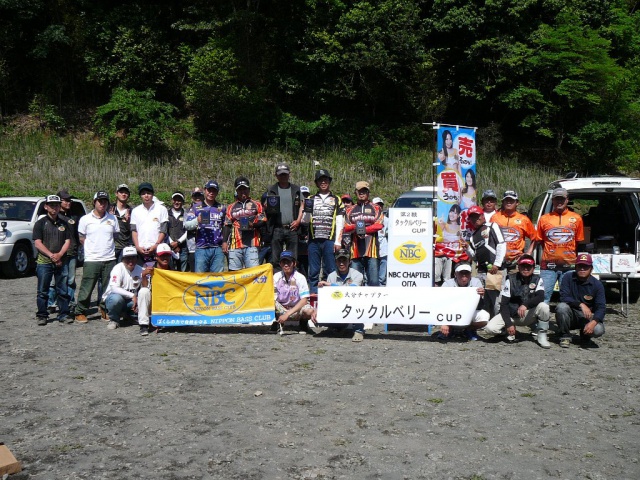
x=83 y=402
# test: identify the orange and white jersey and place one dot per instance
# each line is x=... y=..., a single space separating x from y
x=560 y=235
x=515 y=229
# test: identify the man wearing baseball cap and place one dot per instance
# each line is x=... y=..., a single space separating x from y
x=121 y=294
x=149 y=224
x=206 y=220
x=283 y=208
x=52 y=239
x=522 y=304
x=242 y=224
x=98 y=230
x=462 y=279
x=516 y=228
x=324 y=214
x=582 y=304
x=489 y=201
x=292 y=294
x=363 y=222
x=177 y=233
x=559 y=232
x=122 y=211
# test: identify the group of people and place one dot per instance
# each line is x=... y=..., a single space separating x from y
x=311 y=241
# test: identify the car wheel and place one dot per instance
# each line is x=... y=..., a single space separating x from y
x=19 y=264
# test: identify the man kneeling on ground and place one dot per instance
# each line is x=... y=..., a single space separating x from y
x=582 y=304
x=163 y=257
x=522 y=304
x=121 y=295
x=463 y=278
x=292 y=295
x=345 y=276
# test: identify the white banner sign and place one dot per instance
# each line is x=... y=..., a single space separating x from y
x=397 y=305
x=410 y=255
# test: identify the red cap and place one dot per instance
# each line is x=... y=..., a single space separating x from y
x=584 y=259
x=526 y=260
x=475 y=210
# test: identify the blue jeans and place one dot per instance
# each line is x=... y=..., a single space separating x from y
x=209 y=260
x=181 y=264
x=370 y=266
x=71 y=285
x=320 y=253
x=45 y=272
x=117 y=306
x=382 y=271
x=245 y=257
x=549 y=278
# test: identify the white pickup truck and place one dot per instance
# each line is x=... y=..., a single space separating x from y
x=17 y=218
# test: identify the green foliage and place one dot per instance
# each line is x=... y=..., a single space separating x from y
x=135 y=120
x=48 y=116
x=296 y=133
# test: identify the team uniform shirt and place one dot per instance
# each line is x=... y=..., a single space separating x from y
x=100 y=234
x=487 y=246
x=253 y=212
x=124 y=282
x=290 y=292
x=560 y=235
x=372 y=216
x=353 y=278
x=149 y=223
x=177 y=230
x=53 y=234
x=72 y=222
x=327 y=218
x=124 y=222
x=573 y=292
x=208 y=235
x=520 y=291
x=515 y=229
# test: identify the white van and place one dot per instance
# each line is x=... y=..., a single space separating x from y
x=611 y=212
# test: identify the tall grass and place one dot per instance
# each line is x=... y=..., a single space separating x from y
x=38 y=164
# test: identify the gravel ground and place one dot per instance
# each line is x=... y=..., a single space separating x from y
x=83 y=402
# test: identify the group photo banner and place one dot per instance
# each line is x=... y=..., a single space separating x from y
x=200 y=299
x=456 y=186
x=397 y=305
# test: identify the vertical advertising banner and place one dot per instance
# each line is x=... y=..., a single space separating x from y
x=410 y=254
x=456 y=187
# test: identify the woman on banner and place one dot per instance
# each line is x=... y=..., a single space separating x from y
x=448 y=156
x=468 y=198
x=450 y=248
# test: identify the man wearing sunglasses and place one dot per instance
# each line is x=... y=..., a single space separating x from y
x=582 y=304
x=522 y=304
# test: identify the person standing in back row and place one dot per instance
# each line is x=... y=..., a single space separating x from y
x=363 y=221
x=52 y=239
x=559 y=232
x=284 y=213
x=122 y=211
x=149 y=224
x=242 y=228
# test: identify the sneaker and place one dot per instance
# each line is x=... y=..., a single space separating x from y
x=52 y=308
x=112 y=325
x=565 y=342
x=471 y=335
x=511 y=338
x=357 y=337
x=81 y=319
x=442 y=337
x=103 y=314
x=144 y=330
x=42 y=321
x=587 y=342
x=69 y=319
x=304 y=328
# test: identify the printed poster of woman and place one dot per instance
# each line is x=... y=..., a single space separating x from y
x=456 y=189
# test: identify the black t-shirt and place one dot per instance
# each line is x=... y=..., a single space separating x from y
x=52 y=233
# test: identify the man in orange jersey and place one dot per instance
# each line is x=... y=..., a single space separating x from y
x=363 y=221
x=559 y=231
x=515 y=229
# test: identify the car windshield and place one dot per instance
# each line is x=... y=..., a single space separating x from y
x=17 y=210
x=413 y=202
